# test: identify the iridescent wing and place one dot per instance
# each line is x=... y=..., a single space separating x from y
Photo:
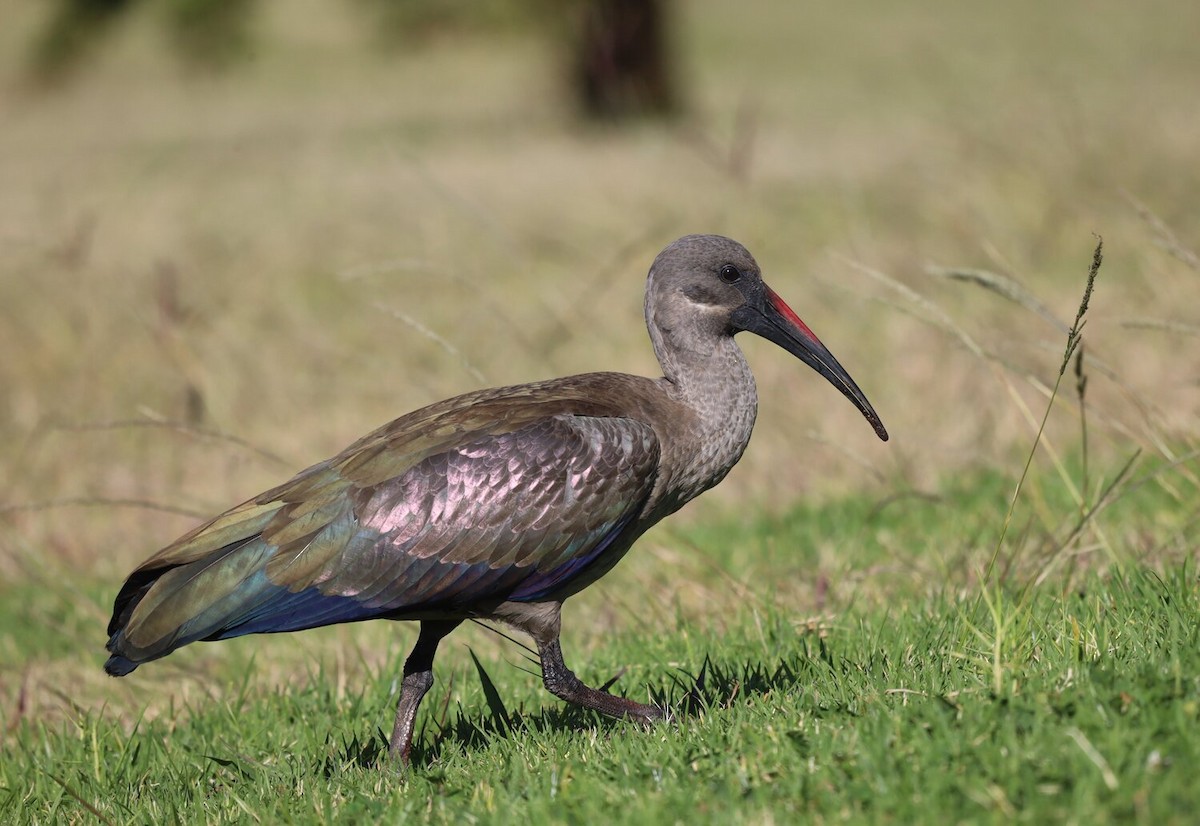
x=400 y=524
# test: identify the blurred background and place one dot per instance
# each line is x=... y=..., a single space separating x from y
x=236 y=236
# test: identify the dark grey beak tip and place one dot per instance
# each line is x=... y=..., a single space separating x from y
x=880 y=430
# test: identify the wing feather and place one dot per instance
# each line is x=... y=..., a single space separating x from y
x=400 y=523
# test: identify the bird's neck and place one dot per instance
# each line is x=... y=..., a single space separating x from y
x=714 y=383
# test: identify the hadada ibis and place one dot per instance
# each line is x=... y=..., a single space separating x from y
x=494 y=505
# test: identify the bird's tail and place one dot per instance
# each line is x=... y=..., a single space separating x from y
x=118 y=666
x=160 y=609
x=224 y=594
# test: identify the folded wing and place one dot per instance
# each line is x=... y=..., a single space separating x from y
x=398 y=526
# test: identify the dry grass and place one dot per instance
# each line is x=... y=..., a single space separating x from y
x=280 y=259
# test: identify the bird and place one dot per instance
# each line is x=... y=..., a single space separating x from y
x=496 y=505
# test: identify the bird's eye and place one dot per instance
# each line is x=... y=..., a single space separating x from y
x=729 y=274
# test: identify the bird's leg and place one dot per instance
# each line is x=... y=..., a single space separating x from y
x=418 y=679
x=562 y=682
x=543 y=622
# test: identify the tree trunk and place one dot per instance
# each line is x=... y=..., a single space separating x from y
x=622 y=66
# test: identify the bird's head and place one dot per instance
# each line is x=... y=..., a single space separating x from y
x=705 y=286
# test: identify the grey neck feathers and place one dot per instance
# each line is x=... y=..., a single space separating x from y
x=705 y=371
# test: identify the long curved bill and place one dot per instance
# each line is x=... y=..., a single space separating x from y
x=778 y=323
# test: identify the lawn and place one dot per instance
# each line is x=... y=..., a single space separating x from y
x=210 y=281
x=1070 y=703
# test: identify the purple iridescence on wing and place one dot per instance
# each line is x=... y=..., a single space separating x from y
x=541 y=585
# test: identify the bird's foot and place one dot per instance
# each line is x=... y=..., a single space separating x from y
x=645 y=714
x=562 y=683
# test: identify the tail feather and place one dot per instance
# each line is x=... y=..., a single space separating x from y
x=160 y=610
x=227 y=594
x=118 y=666
x=213 y=582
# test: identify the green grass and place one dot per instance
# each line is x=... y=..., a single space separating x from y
x=884 y=708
